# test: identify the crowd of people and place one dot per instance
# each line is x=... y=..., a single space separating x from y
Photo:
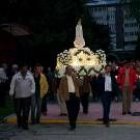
x=30 y=88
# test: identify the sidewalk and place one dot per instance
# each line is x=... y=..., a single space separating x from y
x=93 y=118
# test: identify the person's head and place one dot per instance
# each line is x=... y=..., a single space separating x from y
x=127 y=64
x=38 y=69
x=137 y=62
x=15 y=68
x=23 y=69
x=108 y=69
x=69 y=70
x=5 y=66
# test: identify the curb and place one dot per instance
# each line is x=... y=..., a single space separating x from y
x=83 y=122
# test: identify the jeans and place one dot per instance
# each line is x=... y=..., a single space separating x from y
x=35 y=109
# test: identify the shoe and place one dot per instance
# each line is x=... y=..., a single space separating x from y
x=63 y=114
x=38 y=121
x=104 y=121
x=107 y=124
x=124 y=113
x=85 y=112
x=44 y=113
x=25 y=127
x=72 y=128
x=129 y=112
x=33 y=122
x=19 y=124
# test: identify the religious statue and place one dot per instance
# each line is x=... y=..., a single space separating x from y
x=79 y=39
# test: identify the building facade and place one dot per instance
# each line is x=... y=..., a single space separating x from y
x=123 y=28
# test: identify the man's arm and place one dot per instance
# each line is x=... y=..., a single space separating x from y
x=32 y=85
x=12 y=86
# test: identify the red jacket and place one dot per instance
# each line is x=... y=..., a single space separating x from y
x=121 y=77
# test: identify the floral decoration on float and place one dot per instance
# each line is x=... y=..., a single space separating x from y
x=81 y=58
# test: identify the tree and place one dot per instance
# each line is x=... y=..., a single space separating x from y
x=52 y=23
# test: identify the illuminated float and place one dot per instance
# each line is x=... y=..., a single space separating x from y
x=83 y=60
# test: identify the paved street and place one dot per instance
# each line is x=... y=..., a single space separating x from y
x=55 y=127
x=95 y=113
x=61 y=132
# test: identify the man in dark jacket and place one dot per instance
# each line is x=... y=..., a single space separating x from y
x=106 y=84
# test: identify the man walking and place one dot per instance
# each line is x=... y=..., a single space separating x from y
x=69 y=90
x=22 y=87
x=127 y=81
x=107 y=83
x=41 y=90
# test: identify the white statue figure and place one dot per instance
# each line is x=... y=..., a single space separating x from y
x=79 y=39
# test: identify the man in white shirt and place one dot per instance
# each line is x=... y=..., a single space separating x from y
x=22 y=87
